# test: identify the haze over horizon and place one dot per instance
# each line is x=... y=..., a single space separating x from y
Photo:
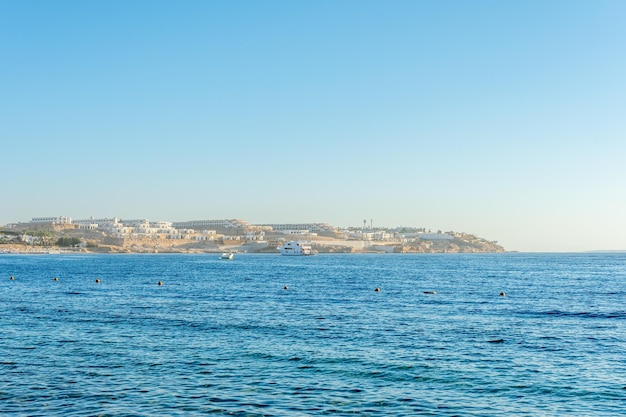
x=501 y=119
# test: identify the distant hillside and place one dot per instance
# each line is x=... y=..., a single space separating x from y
x=37 y=237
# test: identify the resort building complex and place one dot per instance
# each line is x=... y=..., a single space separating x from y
x=114 y=231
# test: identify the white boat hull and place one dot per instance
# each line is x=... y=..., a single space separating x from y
x=295 y=248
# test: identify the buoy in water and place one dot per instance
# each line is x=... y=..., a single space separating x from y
x=430 y=292
x=56 y=278
x=97 y=280
x=285 y=287
x=12 y=278
x=160 y=283
x=377 y=289
x=502 y=294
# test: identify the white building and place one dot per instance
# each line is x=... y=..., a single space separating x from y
x=255 y=235
x=311 y=227
x=302 y=232
x=93 y=223
x=53 y=220
x=435 y=236
x=211 y=224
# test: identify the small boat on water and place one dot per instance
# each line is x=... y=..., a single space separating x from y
x=228 y=256
x=295 y=248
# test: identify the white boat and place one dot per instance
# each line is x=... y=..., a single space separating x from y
x=295 y=248
x=227 y=256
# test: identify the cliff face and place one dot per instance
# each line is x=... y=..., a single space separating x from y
x=460 y=243
x=457 y=245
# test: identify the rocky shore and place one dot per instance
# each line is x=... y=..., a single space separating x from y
x=56 y=239
x=327 y=246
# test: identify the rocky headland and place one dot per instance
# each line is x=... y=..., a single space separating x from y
x=49 y=238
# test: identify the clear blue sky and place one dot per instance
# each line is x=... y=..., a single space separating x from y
x=506 y=119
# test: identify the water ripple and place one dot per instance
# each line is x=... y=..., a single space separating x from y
x=226 y=339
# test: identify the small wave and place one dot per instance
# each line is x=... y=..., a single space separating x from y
x=583 y=314
x=222 y=400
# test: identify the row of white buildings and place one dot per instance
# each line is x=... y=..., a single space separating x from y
x=135 y=228
x=235 y=229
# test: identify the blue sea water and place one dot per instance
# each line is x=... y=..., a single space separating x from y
x=227 y=338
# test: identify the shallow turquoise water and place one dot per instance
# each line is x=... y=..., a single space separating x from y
x=226 y=338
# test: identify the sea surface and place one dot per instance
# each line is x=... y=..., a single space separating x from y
x=268 y=335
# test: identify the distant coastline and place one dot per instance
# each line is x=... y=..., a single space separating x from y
x=607 y=251
x=112 y=235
